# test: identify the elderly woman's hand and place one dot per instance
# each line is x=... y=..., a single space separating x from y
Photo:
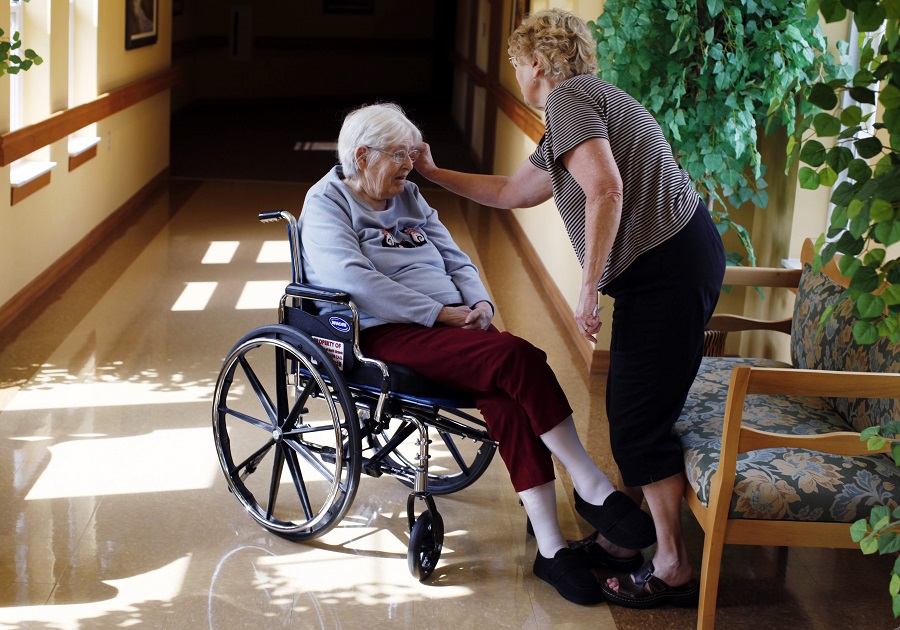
x=480 y=317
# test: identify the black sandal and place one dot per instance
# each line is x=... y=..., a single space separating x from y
x=619 y=520
x=644 y=590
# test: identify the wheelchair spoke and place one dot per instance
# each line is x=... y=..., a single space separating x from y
x=305 y=429
x=252 y=462
x=299 y=483
x=275 y=481
x=260 y=391
x=454 y=452
x=247 y=418
x=299 y=405
x=306 y=450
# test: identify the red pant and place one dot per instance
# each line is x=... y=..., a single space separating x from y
x=515 y=390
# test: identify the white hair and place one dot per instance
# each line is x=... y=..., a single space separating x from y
x=381 y=125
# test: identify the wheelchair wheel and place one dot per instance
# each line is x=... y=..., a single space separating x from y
x=425 y=544
x=456 y=462
x=287 y=433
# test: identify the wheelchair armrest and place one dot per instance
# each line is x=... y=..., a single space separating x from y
x=310 y=292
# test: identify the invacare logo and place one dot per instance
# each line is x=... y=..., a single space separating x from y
x=339 y=324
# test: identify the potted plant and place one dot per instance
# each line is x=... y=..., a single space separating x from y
x=713 y=73
x=861 y=118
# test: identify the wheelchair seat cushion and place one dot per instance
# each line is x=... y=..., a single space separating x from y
x=409 y=383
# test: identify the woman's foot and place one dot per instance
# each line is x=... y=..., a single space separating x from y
x=646 y=588
x=569 y=572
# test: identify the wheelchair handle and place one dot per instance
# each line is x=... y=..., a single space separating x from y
x=273 y=215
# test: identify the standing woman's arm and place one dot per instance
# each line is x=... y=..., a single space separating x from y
x=592 y=165
x=527 y=187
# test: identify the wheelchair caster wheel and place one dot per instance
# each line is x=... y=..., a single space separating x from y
x=425 y=543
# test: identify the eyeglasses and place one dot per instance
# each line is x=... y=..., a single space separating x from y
x=399 y=156
x=514 y=62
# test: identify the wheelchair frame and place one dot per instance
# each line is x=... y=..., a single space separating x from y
x=320 y=424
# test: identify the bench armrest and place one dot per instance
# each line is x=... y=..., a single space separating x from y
x=784 y=381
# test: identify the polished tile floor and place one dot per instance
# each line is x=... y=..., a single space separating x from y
x=115 y=514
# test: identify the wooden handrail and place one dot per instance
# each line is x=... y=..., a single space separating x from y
x=524 y=118
x=19 y=143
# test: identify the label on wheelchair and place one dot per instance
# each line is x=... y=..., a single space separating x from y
x=335 y=350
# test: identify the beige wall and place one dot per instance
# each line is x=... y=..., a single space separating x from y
x=135 y=148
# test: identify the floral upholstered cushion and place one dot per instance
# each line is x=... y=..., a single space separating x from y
x=835 y=349
x=783 y=483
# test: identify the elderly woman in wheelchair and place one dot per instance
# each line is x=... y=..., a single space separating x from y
x=411 y=306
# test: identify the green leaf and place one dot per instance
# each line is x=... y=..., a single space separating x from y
x=823 y=96
x=871 y=306
x=874 y=258
x=888 y=232
x=891 y=294
x=838 y=158
x=868 y=545
x=894 y=586
x=827 y=176
x=881 y=211
x=861 y=94
x=859 y=171
x=826 y=125
x=863 y=78
x=865 y=279
x=889 y=542
x=851 y=116
x=832 y=10
x=868 y=147
x=813 y=153
x=890 y=96
x=876 y=442
x=864 y=333
x=869 y=16
x=809 y=179
x=858 y=530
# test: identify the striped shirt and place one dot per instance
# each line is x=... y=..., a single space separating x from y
x=658 y=199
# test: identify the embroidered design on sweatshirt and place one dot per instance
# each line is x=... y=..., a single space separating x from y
x=416 y=239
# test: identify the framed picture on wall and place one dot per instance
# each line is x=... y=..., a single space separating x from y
x=141 y=23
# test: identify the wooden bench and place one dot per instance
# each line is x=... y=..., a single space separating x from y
x=772 y=451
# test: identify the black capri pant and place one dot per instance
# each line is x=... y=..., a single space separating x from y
x=663 y=301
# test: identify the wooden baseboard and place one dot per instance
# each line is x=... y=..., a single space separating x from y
x=42 y=284
x=596 y=361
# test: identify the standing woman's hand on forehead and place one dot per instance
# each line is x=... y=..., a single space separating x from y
x=425 y=162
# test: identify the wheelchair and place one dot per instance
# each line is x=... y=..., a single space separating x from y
x=299 y=414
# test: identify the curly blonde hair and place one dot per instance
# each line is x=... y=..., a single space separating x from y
x=559 y=39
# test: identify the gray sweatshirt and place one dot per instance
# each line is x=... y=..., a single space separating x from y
x=400 y=265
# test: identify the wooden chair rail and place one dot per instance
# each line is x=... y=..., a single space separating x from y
x=845 y=443
x=785 y=381
x=737 y=323
x=762 y=277
x=17 y=144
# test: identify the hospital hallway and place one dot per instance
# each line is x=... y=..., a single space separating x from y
x=116 y=513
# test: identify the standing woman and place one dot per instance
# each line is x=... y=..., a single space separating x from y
x=643 y=237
